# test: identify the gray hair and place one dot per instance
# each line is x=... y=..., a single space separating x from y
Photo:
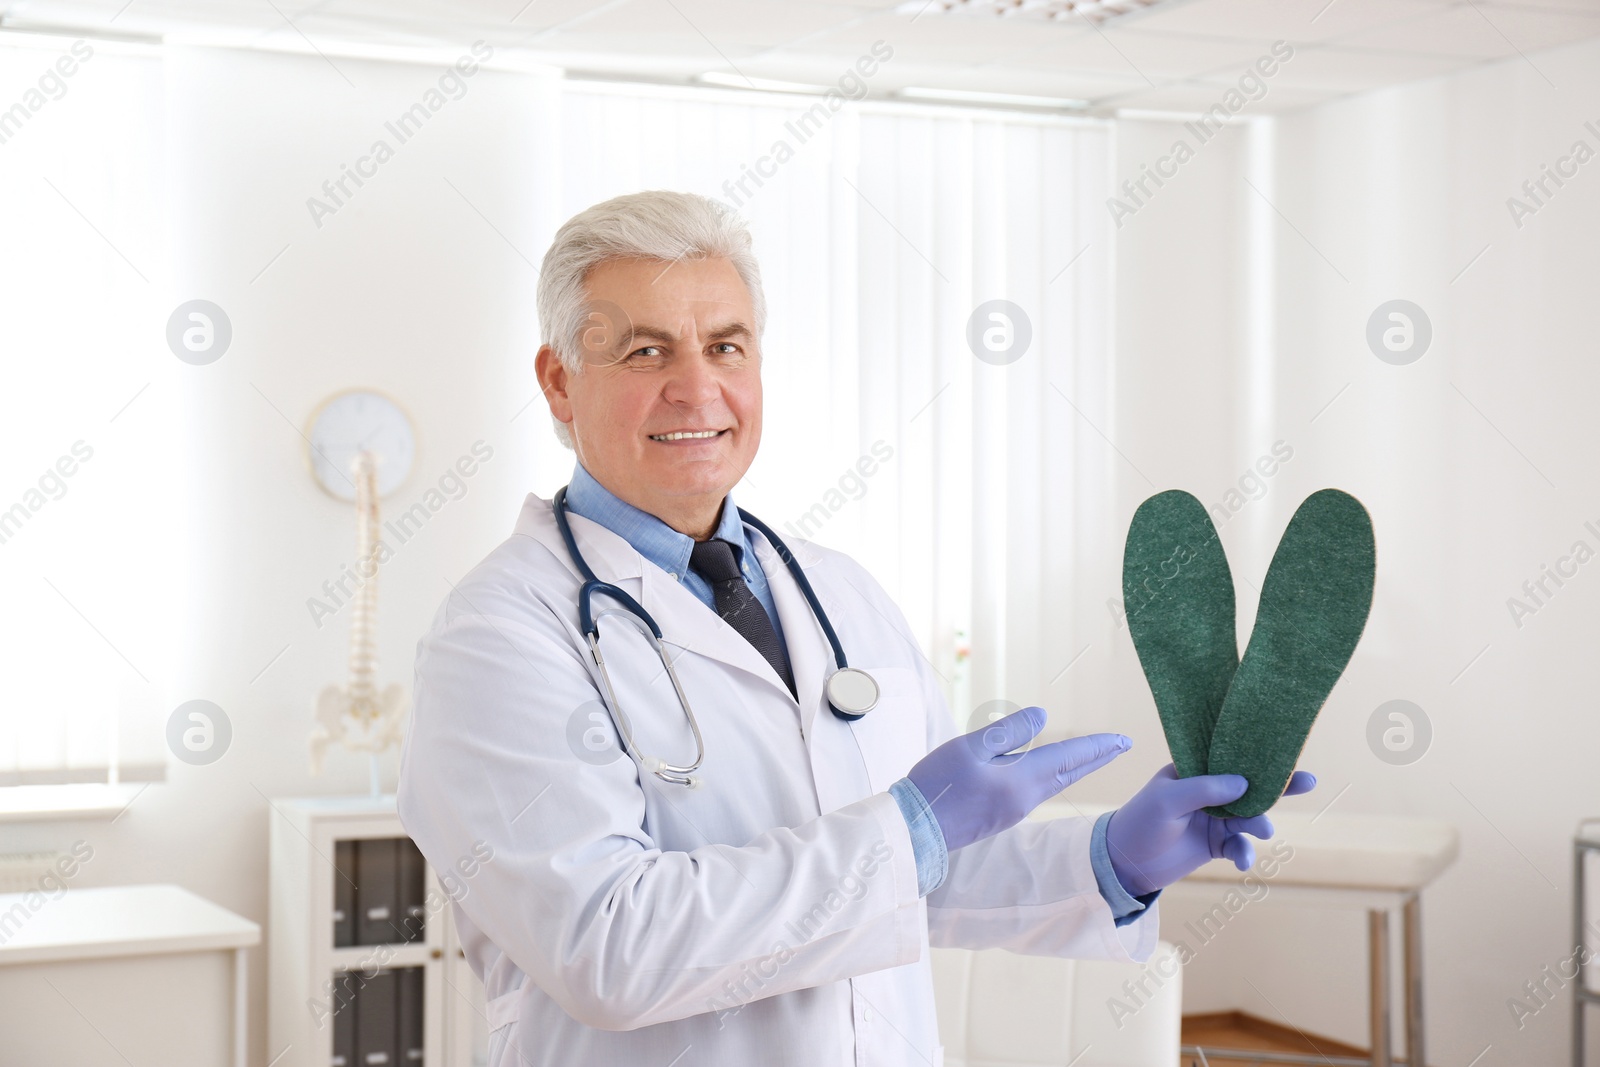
x=651 y=225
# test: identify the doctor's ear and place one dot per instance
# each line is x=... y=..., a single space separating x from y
x=553 y=375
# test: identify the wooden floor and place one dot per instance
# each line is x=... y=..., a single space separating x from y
x=1238 y=1030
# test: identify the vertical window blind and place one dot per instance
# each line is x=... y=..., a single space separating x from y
x=879 y=236
x=90 y=502
x=904 y=424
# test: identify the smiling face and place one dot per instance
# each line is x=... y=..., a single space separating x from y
x=666 y=416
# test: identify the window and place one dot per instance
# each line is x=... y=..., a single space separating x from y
x=886 y=234
x=90 y=523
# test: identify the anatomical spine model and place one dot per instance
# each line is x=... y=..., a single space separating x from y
x=355 y=714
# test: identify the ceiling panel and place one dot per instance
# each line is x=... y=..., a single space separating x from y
x=1590 y=6
x=719 y=23
x=494 y=16
x=1481 y=31
x=1520 y=29
x=1031 y=81
x=1156 y=56
x=1172 y=53
x=1341 y=71
x=685 y=53
x=1289 y=20
x=1198 y=97
x=944 y=30
x=931 y=39
x=1458 y=31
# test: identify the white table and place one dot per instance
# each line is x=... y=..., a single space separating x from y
x=135 y=920
x=1377 y=863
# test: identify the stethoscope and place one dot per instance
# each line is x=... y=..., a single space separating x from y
x=851 y=692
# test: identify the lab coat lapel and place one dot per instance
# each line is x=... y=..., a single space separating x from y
x=611 y=558
x=686 y=623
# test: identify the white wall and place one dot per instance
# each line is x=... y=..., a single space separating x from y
x=1398 y=191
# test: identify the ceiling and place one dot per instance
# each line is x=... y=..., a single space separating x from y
x=1180 y=55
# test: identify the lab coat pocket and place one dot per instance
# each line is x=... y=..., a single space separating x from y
x=894 y=734
x=502 y=1010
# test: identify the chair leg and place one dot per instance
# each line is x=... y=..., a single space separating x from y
x=1378 y=985
x=1411 y=919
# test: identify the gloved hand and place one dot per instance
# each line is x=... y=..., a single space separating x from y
x=976 y=790
x=1162 y=834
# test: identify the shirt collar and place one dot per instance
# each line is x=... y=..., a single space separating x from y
x=649 y=536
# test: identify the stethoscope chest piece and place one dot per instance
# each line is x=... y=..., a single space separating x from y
x=852 y=692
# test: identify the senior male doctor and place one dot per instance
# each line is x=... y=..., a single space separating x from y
x=780 y=910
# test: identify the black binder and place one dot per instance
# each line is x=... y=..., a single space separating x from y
x=344 y=1026
x=344 y=893
x=410 y=1016
x=413 y=911
x=377 y=890
x=376 y=1035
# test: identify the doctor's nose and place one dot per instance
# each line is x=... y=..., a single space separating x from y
x=692 y=382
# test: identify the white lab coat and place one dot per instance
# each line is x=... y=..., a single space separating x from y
x=770 y=916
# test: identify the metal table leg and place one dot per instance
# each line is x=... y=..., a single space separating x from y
x=1380 y=998
x=1378 y=1005
x=1579 y=1008
x=1411 y=926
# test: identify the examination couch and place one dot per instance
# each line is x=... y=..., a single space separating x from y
x=1000 y=1009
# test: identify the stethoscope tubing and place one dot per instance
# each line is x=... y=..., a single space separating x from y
x=593 y=584
x=589 y=623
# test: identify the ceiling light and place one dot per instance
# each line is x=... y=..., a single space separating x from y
x=963 y=96
x=766 y=85
x=1097 y=12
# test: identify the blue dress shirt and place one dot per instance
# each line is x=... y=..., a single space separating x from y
x=666 y=547
x=669 y=550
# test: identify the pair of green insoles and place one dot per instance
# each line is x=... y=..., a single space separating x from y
x=1250 y=716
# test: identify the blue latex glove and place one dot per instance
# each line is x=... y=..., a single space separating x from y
x=975 y=789
x=1162 y=834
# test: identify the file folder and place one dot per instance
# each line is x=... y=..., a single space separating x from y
x=344 y=1031
x=377 y=896
x=410 y=1016
x=376 y=1035
x=413 y=911
x=344 y=893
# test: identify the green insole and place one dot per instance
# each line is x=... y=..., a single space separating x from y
x=1178 y=599
x=1314 y=605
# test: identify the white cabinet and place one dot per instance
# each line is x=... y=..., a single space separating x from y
x=312 y=979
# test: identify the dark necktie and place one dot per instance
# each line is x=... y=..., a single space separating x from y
x=713 y=560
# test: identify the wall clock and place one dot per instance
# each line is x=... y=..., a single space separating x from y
x=349 y=422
